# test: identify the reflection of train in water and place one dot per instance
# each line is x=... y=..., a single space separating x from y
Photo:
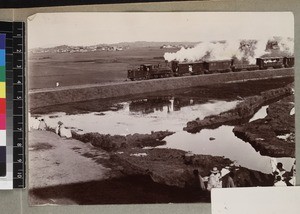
x=163 y=103
x=150 y=105
x=176 y=68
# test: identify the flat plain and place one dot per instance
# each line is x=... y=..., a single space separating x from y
x=46 y=69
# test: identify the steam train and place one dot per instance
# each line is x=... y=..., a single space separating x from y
x=176 y=68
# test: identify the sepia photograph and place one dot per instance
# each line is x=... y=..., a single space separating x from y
x=158 y=107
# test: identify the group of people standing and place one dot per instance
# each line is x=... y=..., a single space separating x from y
x=60 y=129
x=217 y=179
x=282 y=177
x=39 y=124
x=225 y=177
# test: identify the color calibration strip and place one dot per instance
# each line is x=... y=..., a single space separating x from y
x=13 y=91
x=6 y=142
x=2 y=107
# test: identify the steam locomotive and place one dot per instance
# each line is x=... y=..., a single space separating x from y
x=176 y=68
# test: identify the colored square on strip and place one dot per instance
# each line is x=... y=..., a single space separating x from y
x=3 y=169
x=2 y=106
x=2 y=74
x=2 y=161
x=2 y=41
x=2 y=90
x=2 y=138
x=2 y=57
x=2 y=154
x=2 y=122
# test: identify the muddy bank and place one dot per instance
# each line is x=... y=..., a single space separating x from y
x=120 y=142
x=176 y=168
x=273 y=135
x=166 y=166
x=243 y=111
x=134 y=155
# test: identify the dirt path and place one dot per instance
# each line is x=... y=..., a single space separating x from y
x=56 y=161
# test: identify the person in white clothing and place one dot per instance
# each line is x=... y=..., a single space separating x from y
x=279 y=182
x=34 y=123
x=214 y=180
x=62 y=131
x=42 y=125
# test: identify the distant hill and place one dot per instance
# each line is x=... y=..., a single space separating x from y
x=115 y=46
x=153 y=44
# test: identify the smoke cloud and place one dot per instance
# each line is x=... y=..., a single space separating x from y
x=286 y=45
x=243 y=50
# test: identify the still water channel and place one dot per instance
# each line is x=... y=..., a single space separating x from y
x=169 y=113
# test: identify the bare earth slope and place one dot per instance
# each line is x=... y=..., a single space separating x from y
x=57 y=161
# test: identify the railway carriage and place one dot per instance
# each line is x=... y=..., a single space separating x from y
x=176 y=68
x=237 y=66
x=288 y=62
x=184 y=68
x=269 y=62
x=218 y=66
x=180 y=69
x=197 y=68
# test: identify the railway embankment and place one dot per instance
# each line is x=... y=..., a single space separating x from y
x=63 y=95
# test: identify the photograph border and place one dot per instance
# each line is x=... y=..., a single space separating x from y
x=20 y=196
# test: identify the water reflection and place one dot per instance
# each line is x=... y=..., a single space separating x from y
x=172 y=113
x=182 y=102
x=260 y=114
x=150 y=105
x=126 y=121
x=226 y=144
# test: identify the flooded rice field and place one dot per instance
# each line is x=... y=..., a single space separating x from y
x=171 y=111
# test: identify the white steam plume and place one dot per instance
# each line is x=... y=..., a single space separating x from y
x=286 y=45
x=243 y=50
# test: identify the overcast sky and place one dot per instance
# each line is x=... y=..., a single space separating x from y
x=46 y=30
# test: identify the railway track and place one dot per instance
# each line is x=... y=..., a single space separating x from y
x=68 y=94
